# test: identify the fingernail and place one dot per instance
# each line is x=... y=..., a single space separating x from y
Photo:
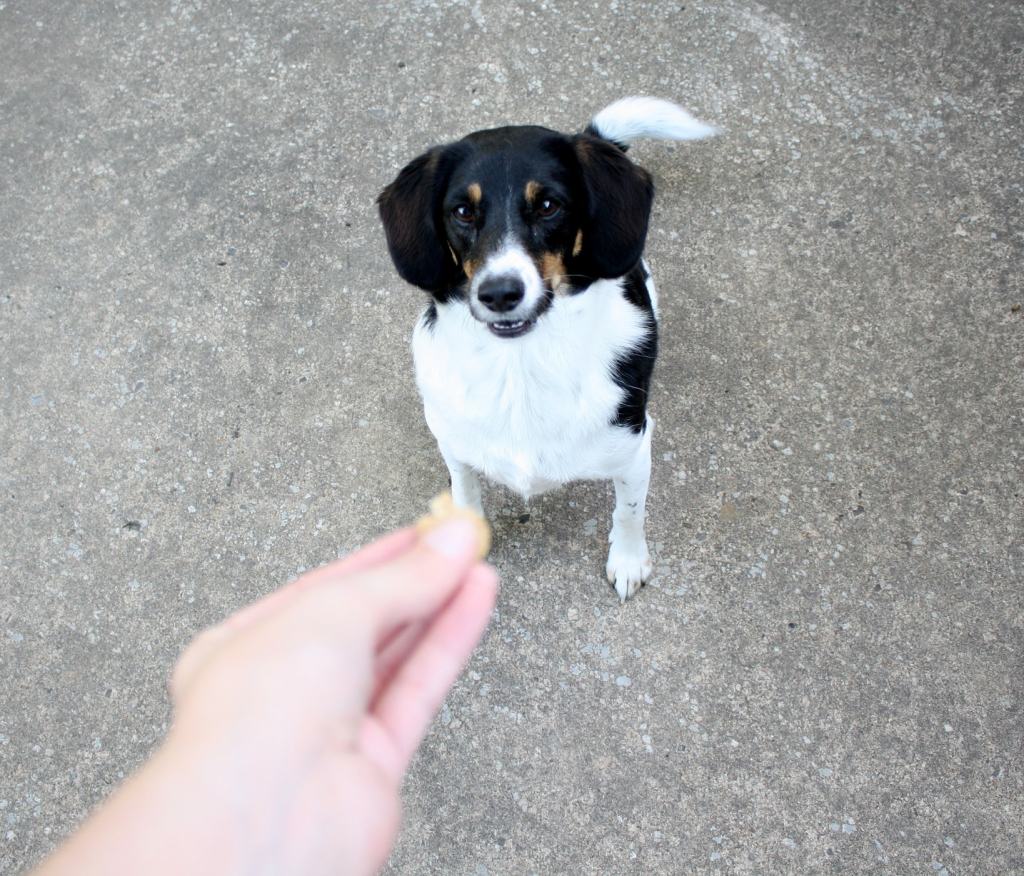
x=454 y=539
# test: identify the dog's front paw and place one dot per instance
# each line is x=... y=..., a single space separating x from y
x=629 y=565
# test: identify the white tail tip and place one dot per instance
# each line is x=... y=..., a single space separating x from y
x=633 y=117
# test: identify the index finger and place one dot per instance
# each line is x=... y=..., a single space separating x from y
x=410 y=587
x=374 y=554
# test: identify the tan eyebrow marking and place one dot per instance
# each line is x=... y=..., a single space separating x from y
x=577 y=247
x=475 y=192
x=532 y=190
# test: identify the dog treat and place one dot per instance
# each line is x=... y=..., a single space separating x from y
x=442 y=509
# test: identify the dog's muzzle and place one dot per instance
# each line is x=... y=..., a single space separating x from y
x=501 y=297
x=507 y=294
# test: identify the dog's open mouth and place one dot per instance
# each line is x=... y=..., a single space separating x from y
x=511 y=328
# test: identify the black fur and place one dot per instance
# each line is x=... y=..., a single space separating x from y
x=633 y=371
x=619 y=199
x=604 y=203
x=593 y=132
x=409 y=212
x=602 y=195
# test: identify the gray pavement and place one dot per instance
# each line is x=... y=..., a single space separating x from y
x=205 y=387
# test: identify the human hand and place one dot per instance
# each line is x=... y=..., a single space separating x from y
x=295 y=719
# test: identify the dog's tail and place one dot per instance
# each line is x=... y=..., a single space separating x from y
x=625 y=120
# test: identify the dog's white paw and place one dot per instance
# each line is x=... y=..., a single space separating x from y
x=629 y=566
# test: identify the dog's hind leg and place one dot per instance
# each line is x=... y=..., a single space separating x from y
x=629 y=562
x=465 y=483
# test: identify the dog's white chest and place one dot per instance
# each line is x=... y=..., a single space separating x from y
x=531 y=412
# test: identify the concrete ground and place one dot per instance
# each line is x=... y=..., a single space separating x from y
x=205 y=387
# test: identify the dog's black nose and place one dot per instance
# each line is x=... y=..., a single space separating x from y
x=501 y=294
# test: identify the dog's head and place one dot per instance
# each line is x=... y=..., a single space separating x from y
x=511 y=217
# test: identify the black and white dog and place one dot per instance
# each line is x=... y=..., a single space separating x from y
x=535 y=354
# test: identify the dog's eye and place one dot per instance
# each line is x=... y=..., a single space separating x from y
x=463 y=213
x=548 y=208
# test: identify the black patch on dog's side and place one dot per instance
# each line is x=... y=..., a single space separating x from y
x=633 y=370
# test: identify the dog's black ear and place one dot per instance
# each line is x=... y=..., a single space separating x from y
x=409 y=210
x=619 y=199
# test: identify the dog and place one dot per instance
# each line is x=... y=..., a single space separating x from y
x=534 y=355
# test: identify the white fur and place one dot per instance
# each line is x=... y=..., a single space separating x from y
x=536 y=411
x=629 y=563
x=531 y=412
x=632 y=117
x=651 y=291
x=510 y=260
